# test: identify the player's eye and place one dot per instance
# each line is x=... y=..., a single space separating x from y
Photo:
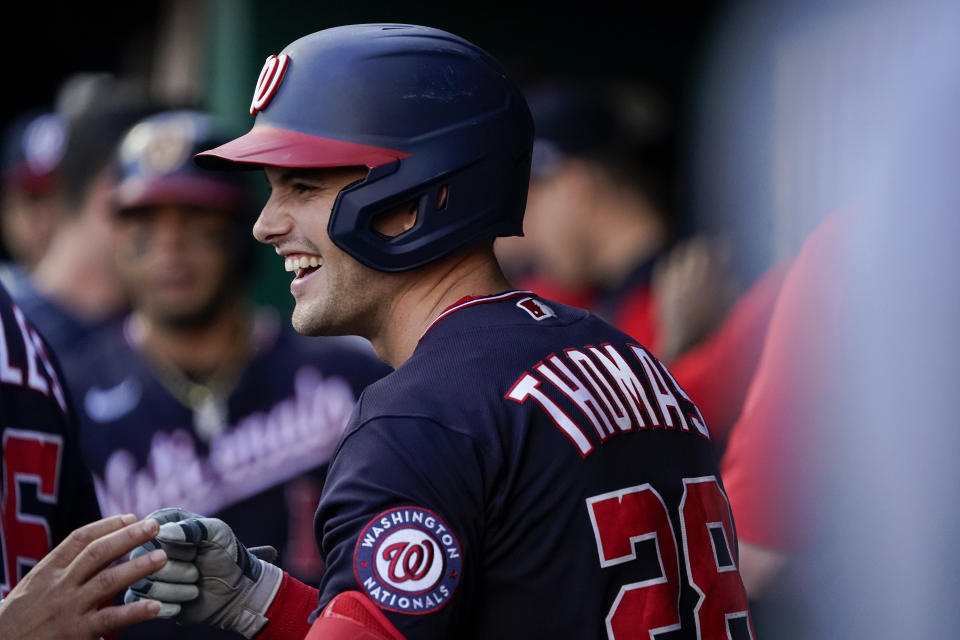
x=302 y=188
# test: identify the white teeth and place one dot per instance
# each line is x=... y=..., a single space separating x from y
x=301 y=262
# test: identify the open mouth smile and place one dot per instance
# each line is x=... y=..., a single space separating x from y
x=303 y=265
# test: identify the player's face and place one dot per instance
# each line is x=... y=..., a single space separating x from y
x=555 y=222
x=334 y=293
x=176 y=261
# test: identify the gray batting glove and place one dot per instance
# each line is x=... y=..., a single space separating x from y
x=176 y=581
x=211 y=578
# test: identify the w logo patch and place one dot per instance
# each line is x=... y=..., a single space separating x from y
x=408 y=560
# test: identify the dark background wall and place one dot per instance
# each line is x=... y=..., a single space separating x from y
x=50 y=40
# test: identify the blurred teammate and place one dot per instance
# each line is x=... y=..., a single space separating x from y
x=527 y=470
x=74 y=286
x=47 y=493
x=602 y=218
x=33 y=148
x=196 y=400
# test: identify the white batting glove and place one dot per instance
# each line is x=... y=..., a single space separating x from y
x=211 y=579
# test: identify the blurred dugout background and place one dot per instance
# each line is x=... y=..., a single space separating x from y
x=782 y=114
x=208 y=53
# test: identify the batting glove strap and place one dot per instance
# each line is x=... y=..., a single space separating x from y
x=247 y=615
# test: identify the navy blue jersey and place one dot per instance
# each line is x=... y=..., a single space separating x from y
x=46 y=490
x=532 y=472
x=262 y=472
x=61 y=329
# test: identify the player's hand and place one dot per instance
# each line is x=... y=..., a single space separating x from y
x=211 y=578
x=60 y=597
x=694 y=289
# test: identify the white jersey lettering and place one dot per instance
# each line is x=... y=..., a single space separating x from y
x=665 y=398
x=578 y=392
x=528 y=387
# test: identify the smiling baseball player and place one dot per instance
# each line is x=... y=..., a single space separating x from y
x=527 y=470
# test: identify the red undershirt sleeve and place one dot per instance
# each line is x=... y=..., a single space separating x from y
x=287 y=616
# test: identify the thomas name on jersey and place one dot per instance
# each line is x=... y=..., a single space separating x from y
x=609 y=393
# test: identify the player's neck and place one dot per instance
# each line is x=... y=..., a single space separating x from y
x=430 y=291
x=196 y=349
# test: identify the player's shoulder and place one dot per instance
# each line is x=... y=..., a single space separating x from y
x=469 y=356
x=6 y=302
x=22 y=339
x=99 y=353
x=476 y=334
x=520 y=309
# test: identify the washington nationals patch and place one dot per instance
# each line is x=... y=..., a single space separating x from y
x=408 y=560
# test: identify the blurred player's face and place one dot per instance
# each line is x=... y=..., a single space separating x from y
x=334 y=293
x=27 y=224
x=177 y=262
x=557 y=223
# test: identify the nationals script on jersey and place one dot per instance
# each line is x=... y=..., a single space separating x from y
x=531 y=471
x=262 y=471
x=46 y=490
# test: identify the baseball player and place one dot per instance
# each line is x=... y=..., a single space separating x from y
x=46 y=494
x=32 y=149
x=73 y=289
x=195 y=399
x=527 y=470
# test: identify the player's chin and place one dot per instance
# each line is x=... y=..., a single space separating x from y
x=309 y=320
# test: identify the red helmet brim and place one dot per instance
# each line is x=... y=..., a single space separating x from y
x=265 y=146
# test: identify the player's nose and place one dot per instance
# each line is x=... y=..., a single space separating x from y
x=272 y=224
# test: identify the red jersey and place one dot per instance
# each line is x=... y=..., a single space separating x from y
x=766 y=467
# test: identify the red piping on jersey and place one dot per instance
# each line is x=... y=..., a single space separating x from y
x=469 y=301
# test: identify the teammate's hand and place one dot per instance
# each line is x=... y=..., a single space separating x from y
x=211 y=578
x=694 y=288
x=59 y=597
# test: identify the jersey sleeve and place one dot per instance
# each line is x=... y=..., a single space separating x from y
x=400 y=521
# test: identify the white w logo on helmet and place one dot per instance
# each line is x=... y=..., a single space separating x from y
x=269 y=80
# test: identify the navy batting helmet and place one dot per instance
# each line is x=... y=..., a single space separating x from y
x=32 y=149
x=424 y=110
x=155 y=158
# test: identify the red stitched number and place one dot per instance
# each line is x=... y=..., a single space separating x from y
x=641 y=610
x=620 y=520
x=28 y=458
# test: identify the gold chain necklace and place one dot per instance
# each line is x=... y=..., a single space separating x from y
x=208 y=399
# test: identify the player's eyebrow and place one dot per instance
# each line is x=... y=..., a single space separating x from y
x=315 y=175
x=283 y=175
